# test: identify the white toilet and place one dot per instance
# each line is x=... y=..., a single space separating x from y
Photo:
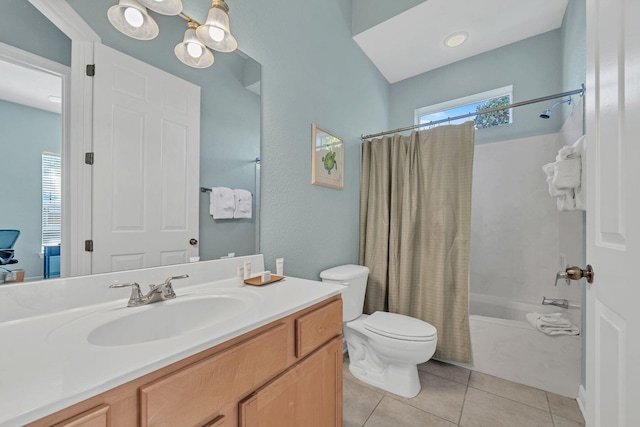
x=384 y=348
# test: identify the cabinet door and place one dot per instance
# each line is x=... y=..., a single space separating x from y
x=96 y=417
x=309 y=394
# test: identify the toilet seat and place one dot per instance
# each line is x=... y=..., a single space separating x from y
x=399 y=327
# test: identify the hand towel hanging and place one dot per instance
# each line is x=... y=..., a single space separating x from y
x=243 y=202
x=222 y=203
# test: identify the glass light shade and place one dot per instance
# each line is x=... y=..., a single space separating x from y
x=215 y=32
x=192 y=51
x=131 y=18
x=165 y=7
x=134 y=17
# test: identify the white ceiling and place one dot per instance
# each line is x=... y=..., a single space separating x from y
x=30 y=87
x=412 y=42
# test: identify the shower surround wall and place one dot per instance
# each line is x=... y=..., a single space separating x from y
x=518 y=238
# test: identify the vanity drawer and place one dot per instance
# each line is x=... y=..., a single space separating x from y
x=316 y=328
x=195 y=394
x=96 y=417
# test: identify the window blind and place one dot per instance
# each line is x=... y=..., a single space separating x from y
x=51 y=199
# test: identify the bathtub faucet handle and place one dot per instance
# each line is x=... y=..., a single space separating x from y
x=563 y=275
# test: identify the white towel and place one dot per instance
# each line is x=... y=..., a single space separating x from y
x=566 y=202
x=566 y=177
x=568 y=152
x=554 y=191
x=243 y=199
x=221 y=203
x=566 y=173
x=552 y=324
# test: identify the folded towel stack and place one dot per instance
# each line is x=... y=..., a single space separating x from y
x=566 y=176
x=552 y=324
x=225 y=203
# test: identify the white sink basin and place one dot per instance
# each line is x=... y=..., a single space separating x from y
x=158 y=321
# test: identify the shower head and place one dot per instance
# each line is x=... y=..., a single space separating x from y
x=547 y=113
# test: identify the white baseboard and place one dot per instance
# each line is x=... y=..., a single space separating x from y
x=582 y=401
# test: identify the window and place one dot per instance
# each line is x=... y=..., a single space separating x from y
x=51 y=199
x=470 y=104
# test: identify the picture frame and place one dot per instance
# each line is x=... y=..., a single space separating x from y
x=327 y=159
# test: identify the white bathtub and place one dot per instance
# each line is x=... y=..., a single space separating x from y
x=505 y=345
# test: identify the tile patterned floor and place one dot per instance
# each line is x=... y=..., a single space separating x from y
x=453 y=396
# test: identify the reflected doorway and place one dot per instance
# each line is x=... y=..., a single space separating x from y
x=31 y=149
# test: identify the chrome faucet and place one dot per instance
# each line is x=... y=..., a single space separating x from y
x=156 y=292
x=563 y=303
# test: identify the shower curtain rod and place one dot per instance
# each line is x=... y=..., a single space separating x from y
x=492 y=110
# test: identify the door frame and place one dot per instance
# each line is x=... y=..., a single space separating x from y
x=77 y=139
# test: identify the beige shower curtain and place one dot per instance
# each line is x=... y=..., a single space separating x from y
x=415 y=222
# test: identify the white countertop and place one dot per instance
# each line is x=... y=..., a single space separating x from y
x=43 y=370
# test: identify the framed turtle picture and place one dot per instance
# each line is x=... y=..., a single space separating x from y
x=327 y=159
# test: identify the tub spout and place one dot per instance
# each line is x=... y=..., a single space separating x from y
x=563 y=303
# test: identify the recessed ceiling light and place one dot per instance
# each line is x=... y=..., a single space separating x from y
x=55 y=99
x=456 y=39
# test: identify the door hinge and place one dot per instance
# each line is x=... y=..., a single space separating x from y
x=88 y=158
x=91 y=70
x=88 y=245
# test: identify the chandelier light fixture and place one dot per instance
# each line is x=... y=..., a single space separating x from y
x=132 y=18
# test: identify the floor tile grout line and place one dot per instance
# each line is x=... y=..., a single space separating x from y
x=516 y=401
x=464 y=400
x=560 y=415
x=374 y=410
x=391 y=396
x=553 y=423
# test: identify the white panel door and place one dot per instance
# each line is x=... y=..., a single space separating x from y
x=613 y=213
x=146 y=169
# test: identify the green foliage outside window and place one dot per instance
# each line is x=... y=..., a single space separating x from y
x=492 y=119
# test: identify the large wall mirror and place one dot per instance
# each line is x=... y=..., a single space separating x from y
x=31 y=140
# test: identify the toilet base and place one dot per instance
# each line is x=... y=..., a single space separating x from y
x=384 y=362
x=401 y=380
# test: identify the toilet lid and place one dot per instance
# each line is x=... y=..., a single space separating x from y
x=400 y=327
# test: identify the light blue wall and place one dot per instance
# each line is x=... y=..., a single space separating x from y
x=26 y=133
x=574 y=47
x=24 y=27
x=533 y=66
x=368 y=13
x=312 y=72
x=230 y=143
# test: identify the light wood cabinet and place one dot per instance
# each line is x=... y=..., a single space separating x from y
x=97 y=417
x=286 y=373
x=317 y=327
x=309 y=394
x=188 y=396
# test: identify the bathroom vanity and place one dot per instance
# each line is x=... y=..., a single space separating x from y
x=276 y=361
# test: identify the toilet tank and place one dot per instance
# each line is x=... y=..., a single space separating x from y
x=354 y=278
